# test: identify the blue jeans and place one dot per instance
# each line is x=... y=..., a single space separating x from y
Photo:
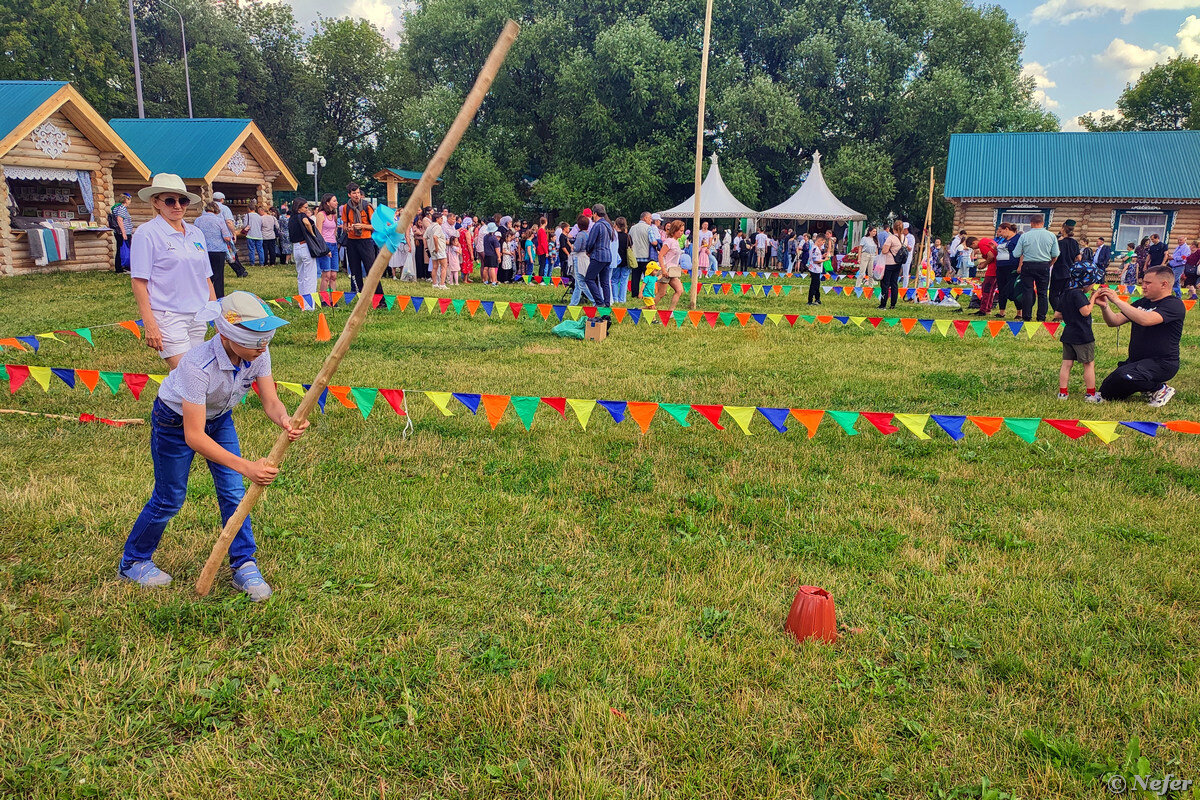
x=599 y=282
x=620 y=284
x=581 y=286
x=329 y=263
x=1178 y=277
x=172 y=462
x=257 y=254
x=785 y=262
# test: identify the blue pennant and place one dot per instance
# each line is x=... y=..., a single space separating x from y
x=471 y=401
x=321 y=399
x=952 y=425
x=487 y=306
x=927 y=324
x=32 y=341
x=968 y=292
x=67 y=376
x=761 y=319
x=910 y=294
x=560 y=312
x=417 y=301
x=1015 y=327
x=635 y=314
x=385 y=234
x=1148 y=428
x=776 y=416
x=843 y=320
x=614 y=407
x=858 y=291
x=348 y=298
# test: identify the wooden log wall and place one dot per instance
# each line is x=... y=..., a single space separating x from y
x=1092 y=219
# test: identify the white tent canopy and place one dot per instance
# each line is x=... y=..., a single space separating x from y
x=716 y=201
x=813 y=200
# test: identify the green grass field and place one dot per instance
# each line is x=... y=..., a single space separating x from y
x=560 y=613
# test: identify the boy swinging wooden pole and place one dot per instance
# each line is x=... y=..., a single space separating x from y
x=365 y=296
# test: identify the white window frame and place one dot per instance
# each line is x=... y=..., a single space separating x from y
x=1022 y=211
x=1143 y=230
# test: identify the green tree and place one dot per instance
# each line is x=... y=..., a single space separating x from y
x=1165 y=97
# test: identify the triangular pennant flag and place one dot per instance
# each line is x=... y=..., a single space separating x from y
x=1104 y=430
x=544 y=309
x=727 y=318
x=881 y=420
x=561 y=311
x=678 y=411
x=824 y=320
x=559 y=404
x=776 y=416
x=809 y=318
x=915 y=423
x=619 y=314
x=322 y=398
x=525 y=408
x=342 y=393
x=616 y=408
x=488 y=305
x=664 y=316
x=960 y=327
x=394 y=398
x=376 y=299
x=90 y=378
x=112 y=380
x=712 y=414
x=988 y=425
x=326 y=299
x=943 y=326
x=294 y=388
x=136 y=382
x=530 y=309
x=1051 y=328
x=843 y=320
x=775 y=318
x=31 y=341
x=336 y=297
x=635 y=314
x=951 y=424
x=1148 y=428
x=582 y=409
x=1182 y=426
x=642 y=413
x=17 y=373
x=809 y=418
x=761 y=319
x=589 y=312
x=364 y=398
x=712 y=318
x=907 y=323
x=132 y=327
x=742 y=415
x=574 y=311
x=42 y=375
x=458 y=304
x=791 y=319
x=1031 y=330
x=443 y=304
x=994 y=327
x=48 y=336
x=14 y=343
x=494 y=405
x=927 y=324
x=472 y=307
x=417 y=301
x=1068 y=427
x=85 y=333
x=389 y=300
x=471 y=401
x=695 y=317
x=858 y=321
x=1025 y=427
x=846 y=419
x=65 y=375
x=893 y=321
x=1015 y=326
x=441 y=400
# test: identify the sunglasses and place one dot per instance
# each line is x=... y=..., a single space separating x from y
x=171 y=202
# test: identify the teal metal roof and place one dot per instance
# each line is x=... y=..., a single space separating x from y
x=19 y=99
x=187 y=147
x=407 y=174
x=1127 y=165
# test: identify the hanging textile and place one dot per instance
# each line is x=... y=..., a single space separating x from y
x=85 y=187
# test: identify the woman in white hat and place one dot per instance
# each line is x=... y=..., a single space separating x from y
x=171 y=271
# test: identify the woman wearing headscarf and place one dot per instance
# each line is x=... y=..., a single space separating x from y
x=171 y=272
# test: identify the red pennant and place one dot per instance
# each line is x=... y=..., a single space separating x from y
x=1051 y=327
x=711 y=413
x=395 y=399
x=90 y=378
x=881 y=421
x=17 y=375
x=443 y=304
x=665 y=316
x=590 y=312
x=326 y=298
x=136 y=382
x=712 y=318
x=1069 y=427
x=960 y=327
x=559 y=404
x=515 y=308
x=791 y=318
x=376 y=299
x=874 y=321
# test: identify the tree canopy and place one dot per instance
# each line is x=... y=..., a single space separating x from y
x=594 y=103
x=1165 y=97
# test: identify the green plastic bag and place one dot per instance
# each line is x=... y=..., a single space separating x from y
x=570 y=329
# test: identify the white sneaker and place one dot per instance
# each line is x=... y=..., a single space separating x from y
x=1063 y=395
x=1093 y=398
x=1161 y=397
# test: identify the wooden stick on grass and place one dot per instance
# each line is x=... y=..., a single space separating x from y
x=364 y=303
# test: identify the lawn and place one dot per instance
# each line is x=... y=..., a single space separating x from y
x=566 y=613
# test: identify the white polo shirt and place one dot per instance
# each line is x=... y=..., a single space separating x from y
x=206 y=376
x=175 y=265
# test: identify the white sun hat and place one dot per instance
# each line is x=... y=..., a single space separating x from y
x=167 y=182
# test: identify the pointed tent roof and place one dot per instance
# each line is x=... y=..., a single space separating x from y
x=813 y=200
x=715 y=200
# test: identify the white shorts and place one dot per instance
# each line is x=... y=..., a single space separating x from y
x=180 y=332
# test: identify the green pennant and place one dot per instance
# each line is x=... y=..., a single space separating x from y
x=728 y=317
x=679 y=411
x=787 y=289
x=809 y=318
x=86 y=333
x=389 y=300
x=525 y=408
x=575 y=311
x=364 y=398
x=530 y=309
x=737 y=288
x=680 y=317
x=846 y=419
x=458 y=305
x=892 y=321
x=1025 y=427
x=979 y=326
x=113 y=379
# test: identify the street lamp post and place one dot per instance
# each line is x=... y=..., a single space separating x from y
x=317 y=162
x=187 y=77
x=137 y=65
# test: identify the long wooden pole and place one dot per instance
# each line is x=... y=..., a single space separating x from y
x=700 y=157
x=364 y=303
x=925 y=234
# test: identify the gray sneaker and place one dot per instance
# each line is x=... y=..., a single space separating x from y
x=1093 y=398
x=144 y=573
x=250 y=580
x=1161 y=397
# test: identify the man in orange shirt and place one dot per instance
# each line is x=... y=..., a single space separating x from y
x=360 y=248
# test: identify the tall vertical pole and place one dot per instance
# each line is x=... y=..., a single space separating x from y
x=700 y=155
x=931 y=274
x=137 y=64
x=187 y=75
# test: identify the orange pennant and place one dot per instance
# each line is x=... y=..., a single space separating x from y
x=695 y=317
x=809 y=418
x=472 y=307
x=132 y=327
x=402 y=301
x=545 y=310
x=642 y=413
x=988 y=425
x=619 y=313
x=494 y=405
x=90 y=378
x=342 y=393
x=994 y=327
x=13 y=343
x=907 y=324
x=824 y=320
x=742 y=317
x=1182 y=426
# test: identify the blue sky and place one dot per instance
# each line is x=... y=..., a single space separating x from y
x=1081 y=53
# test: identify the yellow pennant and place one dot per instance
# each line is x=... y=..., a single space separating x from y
x=48 y=336
x=1031 y=330
x=915 y=423
x=943 y=325
x=157 y=378
x=582 y=409
x=296 y=388
x=42 y=376
x=442 y=401
x=575 y=311
x=858 y=320
x=1106 y=430
x=775 y=318
x=742 y=416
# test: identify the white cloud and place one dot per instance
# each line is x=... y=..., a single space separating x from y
x=1064 y=11
x=1073 y=124
x=1133 y=60
x=380 y=13
x=1041 y=82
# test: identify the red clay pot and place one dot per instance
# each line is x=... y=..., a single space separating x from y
x=812 y=615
